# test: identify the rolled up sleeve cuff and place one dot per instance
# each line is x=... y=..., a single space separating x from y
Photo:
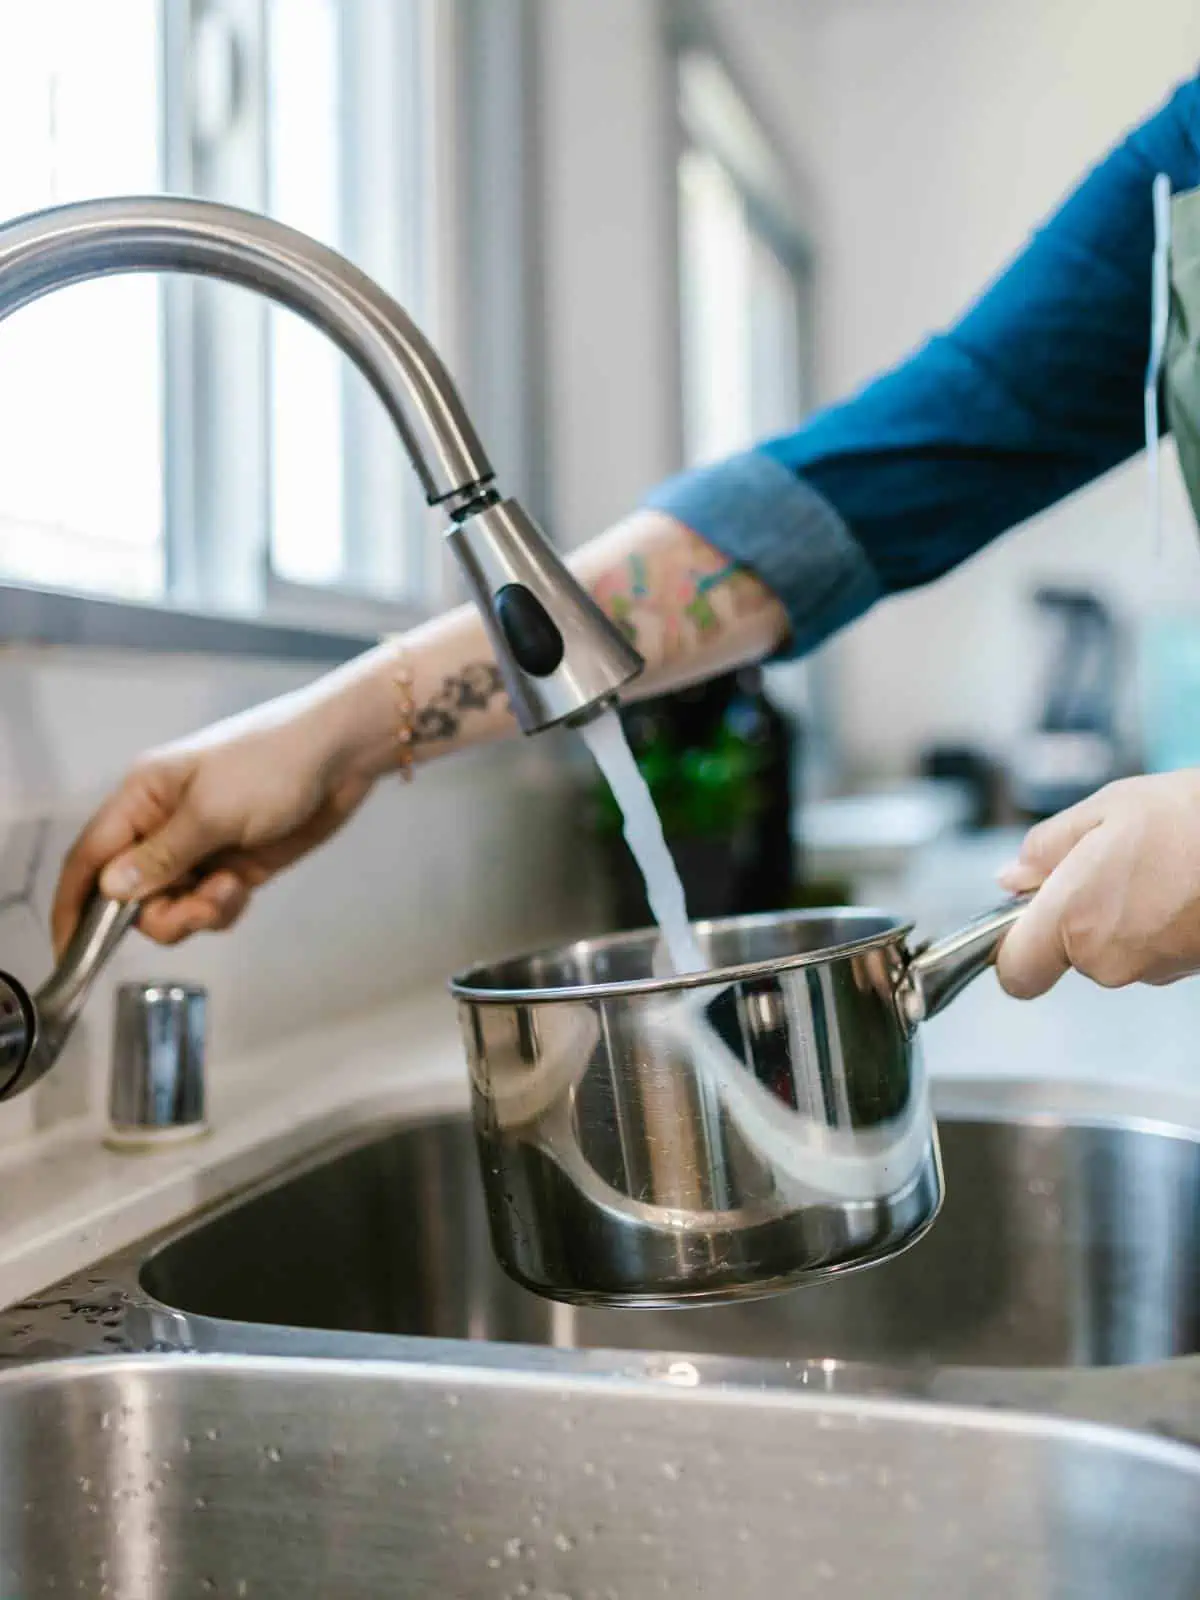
x=758 y=513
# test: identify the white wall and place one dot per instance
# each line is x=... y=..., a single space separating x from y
x=608 y=188
x=934 y=134
x=926 y=138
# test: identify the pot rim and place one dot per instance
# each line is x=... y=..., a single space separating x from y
x=467 y=988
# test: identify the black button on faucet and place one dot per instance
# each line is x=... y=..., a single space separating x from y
x=533 y=638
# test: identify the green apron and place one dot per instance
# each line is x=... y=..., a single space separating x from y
x=1181 y=364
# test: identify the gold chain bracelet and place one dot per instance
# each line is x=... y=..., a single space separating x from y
x=402 y=679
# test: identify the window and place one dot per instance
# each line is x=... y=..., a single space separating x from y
x=744 y=274
x=746 y=312
x=81 y=469
x=204 y=448
x=308 y=535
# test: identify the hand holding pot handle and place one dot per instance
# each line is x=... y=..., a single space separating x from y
x=943 y=968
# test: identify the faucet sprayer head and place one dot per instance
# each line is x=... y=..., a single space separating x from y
x=561 y=658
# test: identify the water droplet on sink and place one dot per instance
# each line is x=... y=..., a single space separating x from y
x=494 y=1563
x=672 y=1471
x=564 y=1542
x=683 y=1373
x=514 y=1549
x=212 y=1435
x=199 y=1503
x=272 y=1452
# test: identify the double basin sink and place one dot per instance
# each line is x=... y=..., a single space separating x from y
x=327 y=1387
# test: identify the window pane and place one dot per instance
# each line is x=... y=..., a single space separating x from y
x=715 y=264
x=741 y=318
x=776 y=370
x=307 y=500
x=81 y=472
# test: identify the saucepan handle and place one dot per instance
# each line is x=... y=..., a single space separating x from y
x=942 y=969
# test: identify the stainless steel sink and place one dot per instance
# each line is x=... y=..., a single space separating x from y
x=137 y=1478
x=1063 y=1243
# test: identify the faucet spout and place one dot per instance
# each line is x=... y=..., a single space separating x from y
x=561 y=658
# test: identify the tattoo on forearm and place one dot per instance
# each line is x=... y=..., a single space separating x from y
x=474 y=688
x=682 y=604
x=662 y=606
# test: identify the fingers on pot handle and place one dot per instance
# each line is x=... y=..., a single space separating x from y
x=943 y=968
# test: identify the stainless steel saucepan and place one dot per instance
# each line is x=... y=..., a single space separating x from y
x=652 y=1141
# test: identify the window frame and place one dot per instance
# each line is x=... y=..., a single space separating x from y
x=776 y=204
x=768 y=191
x=222 y=596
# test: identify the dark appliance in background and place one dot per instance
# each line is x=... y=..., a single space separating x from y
x=719 y=760
x=978 y=774
x=1074 y=748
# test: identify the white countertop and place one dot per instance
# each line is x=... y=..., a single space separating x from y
x=69 y=1200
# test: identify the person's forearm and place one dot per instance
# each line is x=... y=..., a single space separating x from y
x=687 y=611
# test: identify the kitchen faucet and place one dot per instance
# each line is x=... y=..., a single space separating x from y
x=561 y=659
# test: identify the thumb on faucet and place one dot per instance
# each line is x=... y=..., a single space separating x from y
x=160 y=860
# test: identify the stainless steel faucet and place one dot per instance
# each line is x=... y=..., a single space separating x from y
x=561 y=658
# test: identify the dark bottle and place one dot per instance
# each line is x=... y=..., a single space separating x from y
x=718 y=760
x=767 y=878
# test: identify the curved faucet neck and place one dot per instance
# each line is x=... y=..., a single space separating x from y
x=162 y=233
x=561 y=658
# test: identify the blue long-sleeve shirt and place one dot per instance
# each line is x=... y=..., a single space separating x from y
x=1034 y=392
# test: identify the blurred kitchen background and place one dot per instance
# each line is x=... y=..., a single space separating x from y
x=643 y=234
